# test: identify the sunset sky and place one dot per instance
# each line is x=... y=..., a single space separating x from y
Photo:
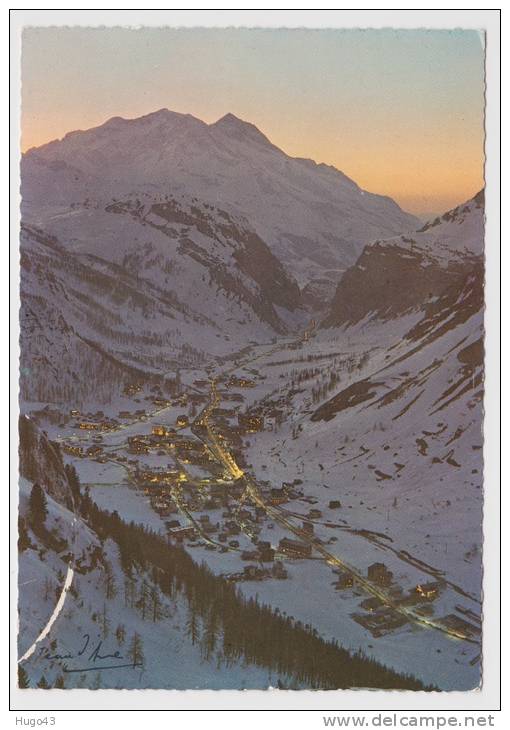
x=401 y=112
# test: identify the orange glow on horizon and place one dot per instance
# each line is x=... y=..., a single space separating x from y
x=423 y=179
x=399 y=112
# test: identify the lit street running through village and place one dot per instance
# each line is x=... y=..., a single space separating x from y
x=252 y=492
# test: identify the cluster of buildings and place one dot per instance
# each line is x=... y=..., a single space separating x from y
x=92 y=452
x=164 y=438
x=381 y=617
x=94 y=421
x=257 y=573
x=250 y=423
x=380 y=622
x=132 y=389
x=235 y=382
x=160 y=477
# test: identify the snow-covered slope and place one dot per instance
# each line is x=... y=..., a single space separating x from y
x=107 y=603
x=380 y=425
x=89 y=636
x=100 y=622
x=153 y=284
x=313 y=217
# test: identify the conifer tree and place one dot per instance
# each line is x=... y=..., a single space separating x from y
x=23 y=536
x=143 y=601
x=109 y=582
x=120 y=634
x=23 y=681
x=192 y=628
x=37 y=505
x=209 y=637
x=135 y=651
x=156 y=604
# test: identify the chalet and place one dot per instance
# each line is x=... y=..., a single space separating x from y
x=189 y=445
x=232 y=528
x=266 y=554
x=334 y=504
x=159 y=431
x=344 y=580
x=182 y=421
x=124 y=414
x=429 y=591
x=137 y=447
x=459 y=625
x=371 y=604
x=294 y=548
x=314 y=514
x=73 y=450
x=89 y=426
x=277 y=496
x=181 y=533
x=379 y=573
x=253 y=572
x=250 y=423
x=132 y=388
x=234 y=382
x=94 y=450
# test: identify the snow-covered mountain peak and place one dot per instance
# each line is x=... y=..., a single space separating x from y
x=312 y=216
x=237 y=128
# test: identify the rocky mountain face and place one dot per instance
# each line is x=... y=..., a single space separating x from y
x=394 y=276
x=37 y=450
x=312 y=216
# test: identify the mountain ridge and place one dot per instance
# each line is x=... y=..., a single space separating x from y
x=394 y=276
x=313 y=217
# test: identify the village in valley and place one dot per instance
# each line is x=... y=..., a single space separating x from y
x=181 y=447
